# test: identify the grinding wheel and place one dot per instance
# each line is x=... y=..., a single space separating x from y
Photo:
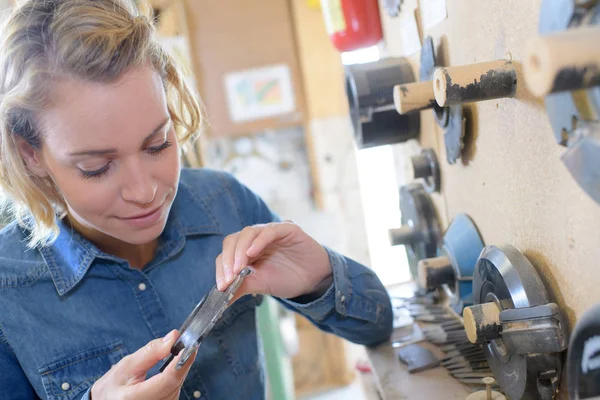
x=505 y=277
x=420 y=232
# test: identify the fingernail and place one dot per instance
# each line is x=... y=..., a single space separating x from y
x=219 y=284
x=228 y=275
x=236 y=264
x=167 y=337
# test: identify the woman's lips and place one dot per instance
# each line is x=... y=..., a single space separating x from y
x=145 y=220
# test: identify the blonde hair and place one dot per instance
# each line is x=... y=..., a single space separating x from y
x=94 y=40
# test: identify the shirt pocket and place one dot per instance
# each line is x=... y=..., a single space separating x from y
x=237 y=337
x=70 y=377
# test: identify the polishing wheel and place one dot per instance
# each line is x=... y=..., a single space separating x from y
x=522 y=333
x=420 y=231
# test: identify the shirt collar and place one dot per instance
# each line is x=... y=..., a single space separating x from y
x=71 y=255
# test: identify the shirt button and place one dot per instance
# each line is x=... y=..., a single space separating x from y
x=65 y=386
x=142 y=286
x=197 y=394
x=342 y=298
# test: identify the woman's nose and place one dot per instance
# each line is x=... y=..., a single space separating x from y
x=138 y=186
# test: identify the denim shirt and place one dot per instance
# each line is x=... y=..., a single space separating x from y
x=68 y=311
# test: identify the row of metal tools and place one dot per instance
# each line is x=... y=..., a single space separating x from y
x=497 y=320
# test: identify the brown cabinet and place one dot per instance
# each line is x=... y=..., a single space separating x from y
x=233 y=39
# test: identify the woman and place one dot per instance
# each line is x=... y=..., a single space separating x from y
x=115 y=244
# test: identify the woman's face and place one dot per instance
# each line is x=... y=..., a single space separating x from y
x=112 y=151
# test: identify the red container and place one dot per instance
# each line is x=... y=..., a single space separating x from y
x=352 y=24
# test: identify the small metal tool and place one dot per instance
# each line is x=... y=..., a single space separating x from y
x=201 y=321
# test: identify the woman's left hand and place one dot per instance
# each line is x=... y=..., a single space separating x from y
x=287 y=262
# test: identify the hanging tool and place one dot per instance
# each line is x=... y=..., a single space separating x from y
x=416 y=96
x=420 y=230
x=583 y=360
x=563 y=66
x=201 y=321
x=452 y=270
x=369 y=88
x=521 y=331
x=425 y=166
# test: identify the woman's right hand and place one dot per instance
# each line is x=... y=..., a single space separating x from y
x=127 y=378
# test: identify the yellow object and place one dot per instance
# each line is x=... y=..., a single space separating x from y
x=314 y=3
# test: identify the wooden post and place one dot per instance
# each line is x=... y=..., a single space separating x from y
x=568 y=60
x=474 y=82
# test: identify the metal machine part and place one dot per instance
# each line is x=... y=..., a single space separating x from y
x=451 y=119
x=392 y=7
x=202 y=319
x=370 y=91
x=426 y=166
x=420 y=231
x=453 y=269
x=575 y=115
x=583 y=360
x=428 y=65
x=522 y=333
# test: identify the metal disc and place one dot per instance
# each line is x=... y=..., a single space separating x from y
x=504 y=276
x=418 y=212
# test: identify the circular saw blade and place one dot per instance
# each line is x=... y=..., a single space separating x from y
x=504 y=276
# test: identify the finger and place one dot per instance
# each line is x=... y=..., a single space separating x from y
x=270 y=234
x=229 y=244
x=165 y=383
x=252 y=284
x=245 y=239
x=136 y=365
x=220 y=273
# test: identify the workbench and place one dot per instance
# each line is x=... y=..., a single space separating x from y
x=395 y=382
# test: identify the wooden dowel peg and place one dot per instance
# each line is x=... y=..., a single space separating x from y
x=482 y=322
x=434 y=272
x=564 y=61
x=474 y=82
x=414 y=97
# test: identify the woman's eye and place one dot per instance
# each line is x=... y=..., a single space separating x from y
x=95 y=173
x=157 y=149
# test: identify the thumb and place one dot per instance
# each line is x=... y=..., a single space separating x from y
x=137 y=364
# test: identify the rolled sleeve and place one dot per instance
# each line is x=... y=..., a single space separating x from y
x=356 y=305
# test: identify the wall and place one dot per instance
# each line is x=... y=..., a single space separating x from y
x=513 y=183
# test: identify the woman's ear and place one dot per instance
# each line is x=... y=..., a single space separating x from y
x=32 y=158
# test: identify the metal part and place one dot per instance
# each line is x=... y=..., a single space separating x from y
x=418 y=358
x=525 y=369
x=392 y=7
x=201 y=321
x=420 y=231
x=426 y=166
x=461 y=247
x=369 y=88
x=455 y=133
x=428 y=65
x=583 y=360
x=574 y=115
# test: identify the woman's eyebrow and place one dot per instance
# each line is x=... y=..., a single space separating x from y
x=113 y=150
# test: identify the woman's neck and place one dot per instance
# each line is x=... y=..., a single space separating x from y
x=138 y=255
